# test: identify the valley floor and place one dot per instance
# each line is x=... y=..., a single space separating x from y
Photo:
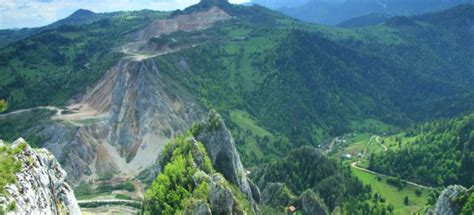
x=355 y=150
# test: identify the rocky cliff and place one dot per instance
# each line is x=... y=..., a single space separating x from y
x=189 y=184
x=201 y=173
x=40 y=186
x=454 y=200
x=220 y=146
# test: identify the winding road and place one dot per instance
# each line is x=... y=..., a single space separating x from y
x=109 y=201
x=354 y=165
x=377 y=139
x=51 y=108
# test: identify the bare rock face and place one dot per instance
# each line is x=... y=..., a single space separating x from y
x=310 y=203
x=218 y=198
x=122 y=123
x=130 y=114
x=41 y=186
x=221 y=197
x=220 y=147
x=187 y=23
x=445 y=204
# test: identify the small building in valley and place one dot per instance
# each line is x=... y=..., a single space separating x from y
x=291 y=210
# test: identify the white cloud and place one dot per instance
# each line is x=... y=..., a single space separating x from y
x=33 y=13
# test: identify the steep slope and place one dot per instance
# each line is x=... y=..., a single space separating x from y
x=220 y=147
x=438 y=153
x=57 y=65
x=455 y=199
x=121 y=132
x=39 y=185
x=311 y=83
x=190 y=181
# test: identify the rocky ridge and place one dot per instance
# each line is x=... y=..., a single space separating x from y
x=40 y=186
x=453 y=200
x=194 y=186
x=220 y=147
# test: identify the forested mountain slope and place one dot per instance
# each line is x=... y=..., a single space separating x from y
x=80 y=17
x=306 y=170
x=439 y=153
x=308 y=82
x=336 y=11
x=138 y=79
x=55 y=65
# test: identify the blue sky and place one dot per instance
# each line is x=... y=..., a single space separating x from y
x=34 y=13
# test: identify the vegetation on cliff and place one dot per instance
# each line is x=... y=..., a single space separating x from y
x=9 y=166
x=187 y=180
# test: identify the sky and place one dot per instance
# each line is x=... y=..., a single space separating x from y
x=34 y=13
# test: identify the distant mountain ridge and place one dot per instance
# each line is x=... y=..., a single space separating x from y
x=334 y=12
x=79 y=17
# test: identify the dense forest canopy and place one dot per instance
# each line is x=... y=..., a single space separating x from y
x=440 y=153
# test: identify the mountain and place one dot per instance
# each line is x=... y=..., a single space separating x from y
x=79 y=17
x=334 y=12
x=320 y=82
x=32 y=181
x=106 y=97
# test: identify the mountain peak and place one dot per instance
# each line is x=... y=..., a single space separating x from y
x=204 y=5
x=214 y=2
x=82 y=12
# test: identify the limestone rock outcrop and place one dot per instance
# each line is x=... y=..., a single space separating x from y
x=452 y=201
x=40 y=186
x=221 y=149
